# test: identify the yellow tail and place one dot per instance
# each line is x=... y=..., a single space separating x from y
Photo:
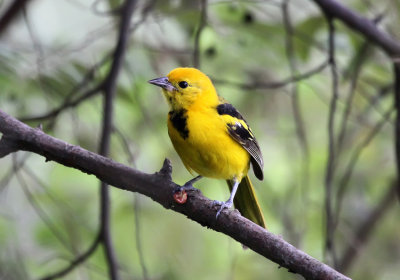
x=246 y=202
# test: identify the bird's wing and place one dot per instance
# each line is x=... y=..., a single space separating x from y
x=240 y=131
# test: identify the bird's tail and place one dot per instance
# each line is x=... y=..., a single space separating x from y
x=246 y=201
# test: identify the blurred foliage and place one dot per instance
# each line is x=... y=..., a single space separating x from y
x=49 y=213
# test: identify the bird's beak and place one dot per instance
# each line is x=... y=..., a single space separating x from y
x=163 y=83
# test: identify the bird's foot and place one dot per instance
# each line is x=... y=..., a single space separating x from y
x=188 y=186
x=217 y=203
x=227 y=204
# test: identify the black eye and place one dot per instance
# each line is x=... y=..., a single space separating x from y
x=183 y=84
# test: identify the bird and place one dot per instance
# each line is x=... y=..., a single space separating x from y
x=212 y=138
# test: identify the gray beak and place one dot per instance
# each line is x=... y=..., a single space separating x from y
x=163 y=83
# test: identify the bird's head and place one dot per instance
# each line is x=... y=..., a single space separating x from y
x=184 y=87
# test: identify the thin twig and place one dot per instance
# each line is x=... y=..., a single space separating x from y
x=354 y=71
x=202 y=24
x=76 y=262
x=136 y=206
x=125 y=146
x=68 y=103
x=57 y=202
x=359 y=61
x=17 y=165
x=382 y=92
x=396 y=92
x=38 y=209
x=365 y=229
x=297 y=111
x=330 y=165
x=344 y=181
x=138 y=239
x=274 y=84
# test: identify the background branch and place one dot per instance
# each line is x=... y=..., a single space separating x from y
x=396 y=74
x=108 y=87
x=202 y=24
x=15 y=8
x=365 y=229
x=107 y=124
x=298 y=118
x=331 y=161
x=360 y=24
x=274 y=84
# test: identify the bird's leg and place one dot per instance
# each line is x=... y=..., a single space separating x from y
x=189 y=184
x=229 y=202
x=180 y=195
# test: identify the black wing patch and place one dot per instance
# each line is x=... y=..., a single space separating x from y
x=244 y=137
x=228 y=109
x=179 y=119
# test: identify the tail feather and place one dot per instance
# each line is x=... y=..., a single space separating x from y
x=246 y=201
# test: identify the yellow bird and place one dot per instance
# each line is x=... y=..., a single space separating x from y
x=212 y=138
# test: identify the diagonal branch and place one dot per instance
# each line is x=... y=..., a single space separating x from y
x=361 y=24
x=159 y=187
x=345 y=179
x=70 y=100
x=80 y=259
x=15 y=8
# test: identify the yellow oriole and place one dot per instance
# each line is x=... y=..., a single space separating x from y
x=212 y=138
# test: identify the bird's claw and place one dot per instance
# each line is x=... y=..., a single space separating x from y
x=217 y=203
x=224 y=205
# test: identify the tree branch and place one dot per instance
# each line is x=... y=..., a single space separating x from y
x=159 y=187
x=331 y=160
x=361 y=24
x=202 y=24
x=396 y=72
x=104 y=148
x=273 y=84
x=11 y=13
x=345 y=179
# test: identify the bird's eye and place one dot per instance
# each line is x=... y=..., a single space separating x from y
x=183 y=84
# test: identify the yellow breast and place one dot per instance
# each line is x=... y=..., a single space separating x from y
x=207 y=148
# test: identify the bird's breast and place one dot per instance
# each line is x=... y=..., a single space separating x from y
x=203 y=143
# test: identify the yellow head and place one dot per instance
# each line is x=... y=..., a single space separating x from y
x=184 y=87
